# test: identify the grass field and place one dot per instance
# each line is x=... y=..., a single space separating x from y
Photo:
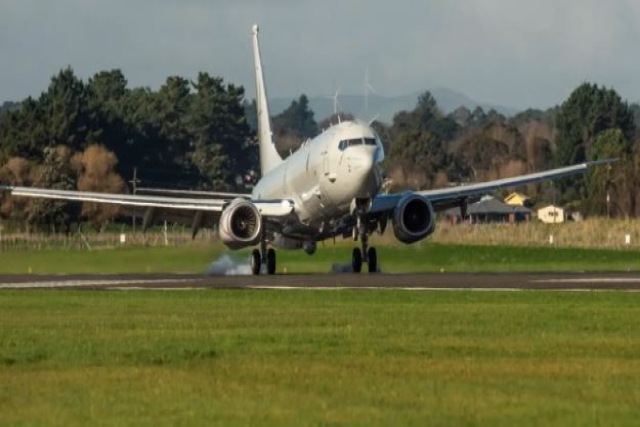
x=319 y=358
x=425 y=257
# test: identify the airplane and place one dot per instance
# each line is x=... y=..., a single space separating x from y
x=329 y=187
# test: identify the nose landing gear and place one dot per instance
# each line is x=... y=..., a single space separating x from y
x=367 y=254
x=371 y=259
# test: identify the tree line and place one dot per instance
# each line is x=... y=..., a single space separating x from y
x=201 y=135
x=91 y=135
x=426 y=148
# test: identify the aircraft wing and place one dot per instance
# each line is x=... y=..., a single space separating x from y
x=445 y=198
x=191 y=193
x=120 y=199
x=193 y=211
x=268 y=208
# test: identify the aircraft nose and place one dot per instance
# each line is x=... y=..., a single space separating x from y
x=363 y=182
x=362 y=160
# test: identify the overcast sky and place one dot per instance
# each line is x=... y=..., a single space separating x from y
x=508 y=52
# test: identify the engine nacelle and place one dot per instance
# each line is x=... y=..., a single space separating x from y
x=240 y=225
x=413 y=219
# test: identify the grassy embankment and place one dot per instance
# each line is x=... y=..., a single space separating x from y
x=595 y=245
x=427 y=257
x=313 y=357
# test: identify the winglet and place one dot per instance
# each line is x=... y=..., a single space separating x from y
x=269 y=157
x=601 y=162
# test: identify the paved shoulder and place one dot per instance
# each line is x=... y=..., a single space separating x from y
x=426 y=281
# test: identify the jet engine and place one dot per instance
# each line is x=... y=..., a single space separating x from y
x=240 y=225
x=413 y=219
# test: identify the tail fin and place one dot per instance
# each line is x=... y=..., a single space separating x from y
x=269 y=157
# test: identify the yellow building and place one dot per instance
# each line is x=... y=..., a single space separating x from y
x=517 y=199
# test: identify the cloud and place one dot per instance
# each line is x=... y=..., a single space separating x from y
x=508 y=52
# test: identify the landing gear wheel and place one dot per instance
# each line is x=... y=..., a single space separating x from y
x=372 y=257
x=255 y=262
x=356 y=260
x=271 y=261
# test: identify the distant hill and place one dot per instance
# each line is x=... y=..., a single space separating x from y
x=385 y=107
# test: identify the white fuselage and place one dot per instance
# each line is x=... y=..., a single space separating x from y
x=324 y=177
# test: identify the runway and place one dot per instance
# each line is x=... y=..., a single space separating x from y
x=415 y=282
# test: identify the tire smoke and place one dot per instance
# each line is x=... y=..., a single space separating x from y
x=228 y=265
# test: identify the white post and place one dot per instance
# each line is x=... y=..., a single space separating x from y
x=551 y=239
x=627 y=239
x=166 y=238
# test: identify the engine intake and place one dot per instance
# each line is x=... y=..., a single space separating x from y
x=413 y=219
x=240 y=225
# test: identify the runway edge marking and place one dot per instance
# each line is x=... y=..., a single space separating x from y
x=432 y=289
x=52 y=284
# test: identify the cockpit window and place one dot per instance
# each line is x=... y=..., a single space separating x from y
x=345 y=143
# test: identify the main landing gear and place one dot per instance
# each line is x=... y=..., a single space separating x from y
x=261 y=257
x=367 y=254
